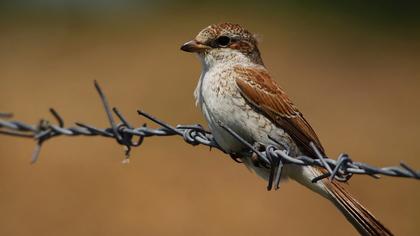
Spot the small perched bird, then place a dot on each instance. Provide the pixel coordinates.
(235, 89)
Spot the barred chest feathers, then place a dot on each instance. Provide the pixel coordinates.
(220, 101)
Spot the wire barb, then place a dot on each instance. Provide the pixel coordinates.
(125, 134)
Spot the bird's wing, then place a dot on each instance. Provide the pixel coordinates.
(263, 93)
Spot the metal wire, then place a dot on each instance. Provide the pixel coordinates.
(340, 169)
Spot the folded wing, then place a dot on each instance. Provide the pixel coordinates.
(263, 93)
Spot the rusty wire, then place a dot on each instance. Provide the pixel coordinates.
(340, 169)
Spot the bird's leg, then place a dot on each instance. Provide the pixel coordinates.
(256, 160)
(236, 157)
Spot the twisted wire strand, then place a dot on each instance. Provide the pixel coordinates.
(340, 169)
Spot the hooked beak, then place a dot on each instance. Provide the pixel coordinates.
(194, 46)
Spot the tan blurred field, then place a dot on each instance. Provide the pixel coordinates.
(358, 88)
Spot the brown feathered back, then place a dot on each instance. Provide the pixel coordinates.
(265, 94)
(262, 92)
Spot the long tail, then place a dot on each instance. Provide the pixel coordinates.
(356, 214)
(364, 222)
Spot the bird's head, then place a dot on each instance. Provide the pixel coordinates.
(224, 42)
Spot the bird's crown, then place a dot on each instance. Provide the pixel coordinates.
(234, 31)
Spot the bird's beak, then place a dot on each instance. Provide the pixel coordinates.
(194, 46)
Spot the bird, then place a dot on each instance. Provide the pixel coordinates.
(236, 90)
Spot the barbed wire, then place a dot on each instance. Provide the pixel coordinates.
(340, 169)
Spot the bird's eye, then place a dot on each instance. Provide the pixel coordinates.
(223, 41)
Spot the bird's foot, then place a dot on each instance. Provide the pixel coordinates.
(236, 157)
(256, 160)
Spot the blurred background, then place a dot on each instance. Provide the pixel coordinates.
(353, 68)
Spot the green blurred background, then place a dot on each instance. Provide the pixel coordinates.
(353, 68)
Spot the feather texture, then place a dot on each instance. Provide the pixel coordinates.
(260, 90)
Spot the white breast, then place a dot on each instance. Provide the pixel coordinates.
(220, 100)
(217, 104)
